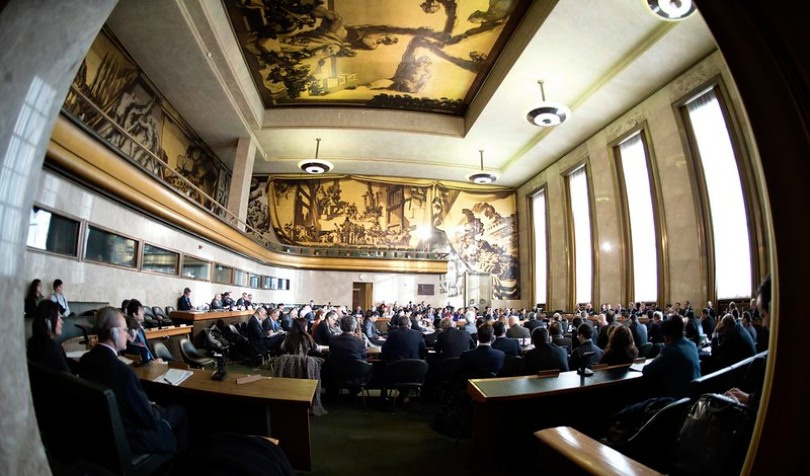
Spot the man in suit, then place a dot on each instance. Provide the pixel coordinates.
(533, 322)
(227, 300)
(545, 355)
(516, 330)
(656, 334)
(483, 359)
(638, 330)
(323, 333)
(677, 365)
(184, 302)
(505, 344)
(731, 342)
(138, 344)
(451, 342)
(150, 428)
(347, 346)
(370, 330)
(558, 339)
(273, 333)
(256, 335)
(587, 353)
(216, 303)
(243, 301)
(403, 342)
(610, 320)
(707, 321)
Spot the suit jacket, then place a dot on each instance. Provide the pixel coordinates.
(322, 334)
(639, 332)
(564, 342)
(452, 343)
(184, 303)
(215, 304)
(675, 367)
(346, 347)
(482, 360)
(139, 346)
(255, 335)
(507, 345)
(147, 430)
(733, 345)
(577, 359)
(533, 324)
(47, 352)
(545, 357)
(708, 325)
(403, 343)
(518, 331)
(656, 334)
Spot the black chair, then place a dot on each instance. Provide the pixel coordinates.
(407, 375)
(352, 375)
(194, 357)
(169, 310)
(163, 352)
(645, 349)
(149, 319)
(161, 316)
(512, 366)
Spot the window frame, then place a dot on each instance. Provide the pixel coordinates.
(138, 244)
(233, 278)
(570, 233)
(178, 267)
(228, 281)
(76, 256)
(183, 264)
(533, 244)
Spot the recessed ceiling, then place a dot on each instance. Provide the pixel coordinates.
(598, 58)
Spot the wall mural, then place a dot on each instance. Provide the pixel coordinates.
(477, 228)
(111, 80)
(431, 55)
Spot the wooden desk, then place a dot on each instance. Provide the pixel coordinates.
(277, 407)
(201, 320)
(513, 408)
(167, 332)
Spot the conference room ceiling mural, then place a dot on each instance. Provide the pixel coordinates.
(477, 228)
(430, 55)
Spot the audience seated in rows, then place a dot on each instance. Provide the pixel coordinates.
(731, 342)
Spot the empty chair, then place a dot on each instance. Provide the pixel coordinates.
(352, 375)
(407, 375)
(169, 310)
(512, 366)
(192, 356)
(149, 319)
(163, 352)
(161, 316)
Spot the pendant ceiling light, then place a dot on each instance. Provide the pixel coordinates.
(672, 9)
(482, 177)
(548, 113)
(316, 165)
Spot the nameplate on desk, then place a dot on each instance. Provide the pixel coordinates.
(248, 379)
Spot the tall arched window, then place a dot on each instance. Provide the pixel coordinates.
(581, 219)
(540, 247)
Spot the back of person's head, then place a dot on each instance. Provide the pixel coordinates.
(299, 325)
(107, 320)
(348, 323)
(485, 333)
(764, 294)
(498, 328)
(620, 338)
(673, 327)
(539, 336)
(555, 328)
(133, 307)
(331, 315)
(690, 314)
(633, 318)
(577, 321)
(658, 315)
(585, 330)
(447, 323)
(124, 305)
(728, 322)
(404, 321)
(650, 313)
(746, 317)
(610, 316)
(513, 320)
(45, 319)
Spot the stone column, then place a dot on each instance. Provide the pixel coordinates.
(240, 181)
(44, 43)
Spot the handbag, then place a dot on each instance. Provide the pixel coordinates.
(714, 437)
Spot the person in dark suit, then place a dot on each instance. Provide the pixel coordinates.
(483, 360)
(451, 341)
(731, 342)
(138, 343)
(656, 334)
(256, 336)
(227, 300)
(505, 344)
(42, 348)
(516, 330)
(545, 355)
(610, 320)
(273, 333)
(323, 333)
(558, 339)
(403, 342)
(184, 301)
(346, 346)
(533, 322)
(693, 329)
(587, 353)
(708, 322)
(677, 365)
(370, 330)
(216, 303)
(638, 330)
(150, 428)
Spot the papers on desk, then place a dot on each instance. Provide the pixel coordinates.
(75, 354)
(638, 367)
(174, 376)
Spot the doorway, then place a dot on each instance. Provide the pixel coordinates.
(361, 295)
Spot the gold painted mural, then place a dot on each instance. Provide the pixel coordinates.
(478, 228)
(429, 55)
(111, 80)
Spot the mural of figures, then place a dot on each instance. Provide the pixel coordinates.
(154, 135)
(477, 229)
(386, 53)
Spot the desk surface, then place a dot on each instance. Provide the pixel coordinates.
(205, 316)
(290, 390)
(156, 333)
(518, 388)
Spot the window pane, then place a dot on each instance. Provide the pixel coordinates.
(54, 233)
(110, 248)
(159, 260)
(196, 269)
(732, 250)
(642, 221)
(222, 274)
(255, 281)
(581, 212)
(240, 278)
(269, 282)
(540, 246)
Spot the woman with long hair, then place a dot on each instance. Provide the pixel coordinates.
(33, 297)
(42, 348)
(298, 341)
(620, 349)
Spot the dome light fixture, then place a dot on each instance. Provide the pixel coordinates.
(672, 10)
(548, 113)
(316, 165)
(482, 178)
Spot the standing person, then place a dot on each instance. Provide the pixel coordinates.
(33, 297)
(678, 363)
(138, 344)
(150, 428)
(42, 348)
(59, 297)
(184, 302)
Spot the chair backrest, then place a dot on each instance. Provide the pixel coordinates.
(158, 312)
(645, 349)
(148, 313)
(169, 310)
(512, 366)
(351, 371)
(406, 372)
(188, 349)
(448, 369)
(163, 352)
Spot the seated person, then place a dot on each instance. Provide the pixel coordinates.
(450, 341)
(483, 360)
(323, 333)
(587, 353)
(227, 300)
(638, 330)
(731, 342)
(505, 344)
(256, 336)
(677, 365)
(216, 303)
(370, 330)
(243, 301)
(184, 301)
(298, 341)
(403, 342)
(545, 355)
(558, 339)
(620, 349)
(274, 334)
(137, 344)
(346, 346)
(47, 325)
(515, 329)
(150, 428)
